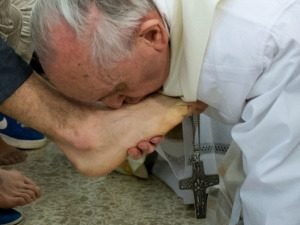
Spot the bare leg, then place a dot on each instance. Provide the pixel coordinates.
(16, 189)
(10, 155)
(124, 128)
(95, 141)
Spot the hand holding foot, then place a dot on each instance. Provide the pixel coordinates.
(149, 146)
(121, 129)
(144, 147)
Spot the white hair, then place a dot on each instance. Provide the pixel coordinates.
(111, 37)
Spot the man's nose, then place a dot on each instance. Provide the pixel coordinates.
(114, 101)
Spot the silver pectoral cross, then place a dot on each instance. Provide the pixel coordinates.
(199, 182)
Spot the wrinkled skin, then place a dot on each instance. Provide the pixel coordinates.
(162, 114)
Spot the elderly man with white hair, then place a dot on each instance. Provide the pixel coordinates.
(242, 58)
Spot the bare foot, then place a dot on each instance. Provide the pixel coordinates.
(16, 189)
(124, 128)
(10, 155)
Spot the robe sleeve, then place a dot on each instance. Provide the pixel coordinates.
(269, 137)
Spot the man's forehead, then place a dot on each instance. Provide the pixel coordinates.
(63, 38)
(67, 52)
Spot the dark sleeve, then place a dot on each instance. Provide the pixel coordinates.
(13, 71)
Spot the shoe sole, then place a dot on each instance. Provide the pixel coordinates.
(23, 144)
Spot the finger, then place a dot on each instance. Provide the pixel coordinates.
(197, 107)
(135, 153)
(156, 140)
(146, 147)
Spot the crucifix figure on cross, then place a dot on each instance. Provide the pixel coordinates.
(199, 182)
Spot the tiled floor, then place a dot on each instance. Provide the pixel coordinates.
(71, 199)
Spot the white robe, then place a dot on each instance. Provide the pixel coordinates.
(251, 79)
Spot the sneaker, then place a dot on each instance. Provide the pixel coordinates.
(16, 134)
(10, 217)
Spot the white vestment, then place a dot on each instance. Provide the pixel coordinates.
(250, 78)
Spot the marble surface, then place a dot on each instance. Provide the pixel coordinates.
(71, 199)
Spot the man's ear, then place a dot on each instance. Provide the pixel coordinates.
(154, 34)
